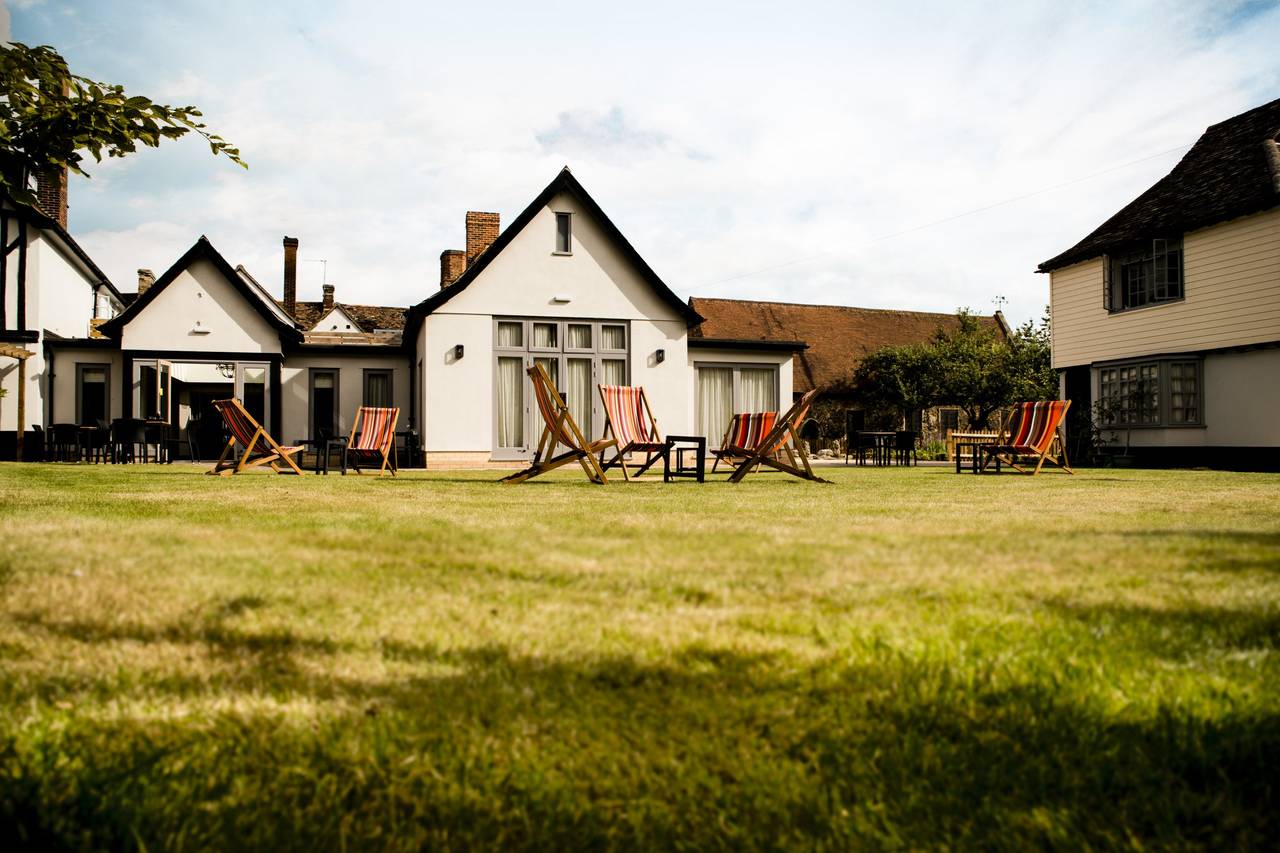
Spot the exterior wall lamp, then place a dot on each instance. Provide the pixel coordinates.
(457, 352)
(660, 356)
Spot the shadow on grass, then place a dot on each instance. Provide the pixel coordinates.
(1221, 550)
(707, 748)
(1179, 633)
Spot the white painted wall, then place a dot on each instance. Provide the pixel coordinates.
(62, 404)
(525, 281)
(295, 379)
(200, 294)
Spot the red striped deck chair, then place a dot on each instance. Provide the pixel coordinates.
(560, 429)
(1034, 428)
(781, 448)
(259, 447)
(373, 437)
(629, 420)
(745, 432)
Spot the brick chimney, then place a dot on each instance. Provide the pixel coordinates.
(482, 230)
(452, 264)
(146, 278)
(290, 275)
(51, 192)
(328, 298)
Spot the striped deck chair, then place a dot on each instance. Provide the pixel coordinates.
(745, 432)
(259, 447)
(559, 428)
(781, 448)
(629, 420)
(1037, 425)
(373, 436)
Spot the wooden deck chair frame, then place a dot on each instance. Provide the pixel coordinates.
(559, 428)
(653, 449)
(386, 448)
(1008, 453)
(728, 451)
(260, 447)
(782, 441)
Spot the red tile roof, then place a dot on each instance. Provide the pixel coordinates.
(838, 337)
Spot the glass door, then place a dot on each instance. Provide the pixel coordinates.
(253, 391)
(164, 387)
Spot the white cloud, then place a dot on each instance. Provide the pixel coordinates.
(750, 150)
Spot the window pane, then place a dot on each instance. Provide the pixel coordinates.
(579, 336)
(578, 393)
(563, 242)
(552, 366)
(715, 401)
(377, 389)
(544, 335)
(323, 380)
(614, 370)
(93, 395)
(613, 337)
(145, 401)
(758, 389)
(510, 402)
(510, 334)
(255, 393)
(323, 403)
(1184, 405)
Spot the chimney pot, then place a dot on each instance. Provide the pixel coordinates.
(482, 230)
(452, 264)
(146, 278)
(290, 275)
(328, 297)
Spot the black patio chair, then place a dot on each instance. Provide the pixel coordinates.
(66, 442)
(904, 446)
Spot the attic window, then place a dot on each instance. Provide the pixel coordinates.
(1149, 274)
(564, 234)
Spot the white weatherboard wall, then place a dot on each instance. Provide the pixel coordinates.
(1232, 284)
(524, 281)
(296, 379)
(200, 294)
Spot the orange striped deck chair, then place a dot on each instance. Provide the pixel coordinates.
(629, 420)
(1029, 431)
(373, 437)
(259, 447)
(781, 447)
(743, 435)
(560, 429)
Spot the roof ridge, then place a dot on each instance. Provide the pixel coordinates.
(827, 305)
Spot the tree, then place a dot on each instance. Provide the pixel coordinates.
(972, 363)
(901, 378)
(50, 117)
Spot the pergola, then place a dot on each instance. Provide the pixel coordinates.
(21, 354)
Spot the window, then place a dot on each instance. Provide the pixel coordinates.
(1147, 275)
(93, 386)
(949, 420)
(576, 354)
(564, 233)
(324, 403)
(1155, 393)
(726, 389)
(377, 388)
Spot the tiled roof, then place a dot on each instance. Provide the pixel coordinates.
(1233, 170)
(369, 317)
(838, 337)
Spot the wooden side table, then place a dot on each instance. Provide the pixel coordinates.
(682, 467)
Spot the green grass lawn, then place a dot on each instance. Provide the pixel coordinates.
(907, 658)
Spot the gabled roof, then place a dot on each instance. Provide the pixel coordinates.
(564, 182)
(241, 281)
(42, 220)
(838, 337)
(369, 317)
(1233, 170)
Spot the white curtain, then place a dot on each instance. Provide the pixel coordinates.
(758, 389)
(579, 336)
(613, 337)
(510, 335)
(552, 366)
(614, 371)
(544, 335)
(715, 401)
(510, 402)
(578, 393)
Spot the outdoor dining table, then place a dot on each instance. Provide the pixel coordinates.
(883, 441)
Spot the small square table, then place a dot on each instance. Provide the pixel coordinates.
(682, 467)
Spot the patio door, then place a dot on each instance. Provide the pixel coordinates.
(254, 391)
(152, 384)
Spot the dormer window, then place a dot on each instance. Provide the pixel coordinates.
(564, 233)
(1144, 275)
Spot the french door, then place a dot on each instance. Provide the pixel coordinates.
(152, 384)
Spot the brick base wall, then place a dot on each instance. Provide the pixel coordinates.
(454, 460)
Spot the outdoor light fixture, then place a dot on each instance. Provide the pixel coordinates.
(227, 370)
(562, 299)
(457, 351)
(660, 356)
(197, 329)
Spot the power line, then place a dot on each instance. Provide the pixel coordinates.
(947, 219)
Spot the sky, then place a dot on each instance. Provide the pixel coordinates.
(915, 156)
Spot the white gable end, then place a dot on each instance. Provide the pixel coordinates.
(528, 278)
(200, 311)
(337, 320)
